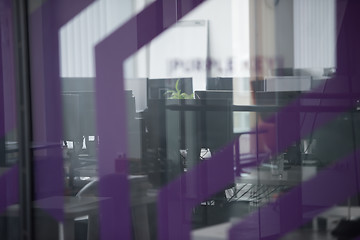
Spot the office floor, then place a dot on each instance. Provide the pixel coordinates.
(219, 232)
(308, 234)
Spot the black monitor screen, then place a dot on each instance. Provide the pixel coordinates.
(157, 87)
(78, 115)
(210, 94)
(219, 83)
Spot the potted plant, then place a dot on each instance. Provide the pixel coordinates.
(177, 94)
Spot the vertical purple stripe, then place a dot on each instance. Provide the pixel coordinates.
(2, 102)
(8, 81)
(45, 23)
(111, 122)
(8, 188)
(46, 106)
(111, 116)
(177, 199)
(8, 180)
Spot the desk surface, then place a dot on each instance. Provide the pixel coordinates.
(266, 176)
(73, 207)
(254, 108)
(216, 232)
(220, 231)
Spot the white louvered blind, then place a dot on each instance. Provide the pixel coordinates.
(79, 36)
(314, 33)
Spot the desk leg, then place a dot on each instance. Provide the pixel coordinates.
(93, 227)
(140, 222)
(68, 229)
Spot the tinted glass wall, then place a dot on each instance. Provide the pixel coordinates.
(9, 173)
(183, 119)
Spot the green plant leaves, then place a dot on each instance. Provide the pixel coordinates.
(177, 85)
(177, 94)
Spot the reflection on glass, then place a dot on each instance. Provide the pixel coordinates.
(9, 152)
(234, 119)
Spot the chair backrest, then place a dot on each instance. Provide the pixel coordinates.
(89, 190)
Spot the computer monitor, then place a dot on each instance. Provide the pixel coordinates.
(216, 118)
(281, 118)
(79, 113)
(219, 83)
(157, 87)
(71, 117)
(78, 108)
(276, 98)
(214, 94)
(257, 85)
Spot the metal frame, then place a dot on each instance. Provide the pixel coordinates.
(24, 123)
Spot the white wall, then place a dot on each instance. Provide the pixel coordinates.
(228, 38)
(181, 52)
(228, 22)
(218, 15)
(240, 38)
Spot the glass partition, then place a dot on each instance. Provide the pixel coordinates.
(9, 169)
(184, 119)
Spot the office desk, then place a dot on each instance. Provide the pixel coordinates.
(73, 207)
(256, 108)
(260, 185)
(87, 171)
(141, 195)
(216, 232)
(78, 207)
(265, 175)
(220, 231)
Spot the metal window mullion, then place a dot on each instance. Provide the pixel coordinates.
(24, 124)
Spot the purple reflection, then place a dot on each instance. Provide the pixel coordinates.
(171, 226)
(336, 183)
(7, 101)
(45, 23)
(177, 199)
(109, 62)
(302, 203)
(110, 104)
(8, 180)
(8, 188)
